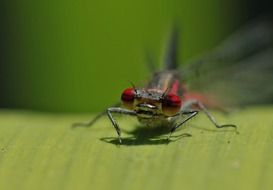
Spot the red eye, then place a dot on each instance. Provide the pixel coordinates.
(127, 97)
(171, 104)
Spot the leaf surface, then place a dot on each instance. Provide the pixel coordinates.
(41, 151)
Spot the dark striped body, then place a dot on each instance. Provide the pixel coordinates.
(166, 81)
(160, 99)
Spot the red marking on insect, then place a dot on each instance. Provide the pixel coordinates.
(175, 87)
(205, 99)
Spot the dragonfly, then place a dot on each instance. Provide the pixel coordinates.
(238, 72)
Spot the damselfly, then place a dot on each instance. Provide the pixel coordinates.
(231, 74)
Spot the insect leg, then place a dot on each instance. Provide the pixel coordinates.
(91, 122)
(190, 114)
(113, 121)
(211, 118)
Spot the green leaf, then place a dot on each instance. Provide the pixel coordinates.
(41, 151)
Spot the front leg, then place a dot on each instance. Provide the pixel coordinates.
(190, 114)
(91, 122)
(113, 121)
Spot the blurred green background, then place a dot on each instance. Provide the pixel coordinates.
(77, 56)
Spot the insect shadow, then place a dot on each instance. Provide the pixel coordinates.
(146, 136)
(154, 136)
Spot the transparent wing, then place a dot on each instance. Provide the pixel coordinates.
(240, 70)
